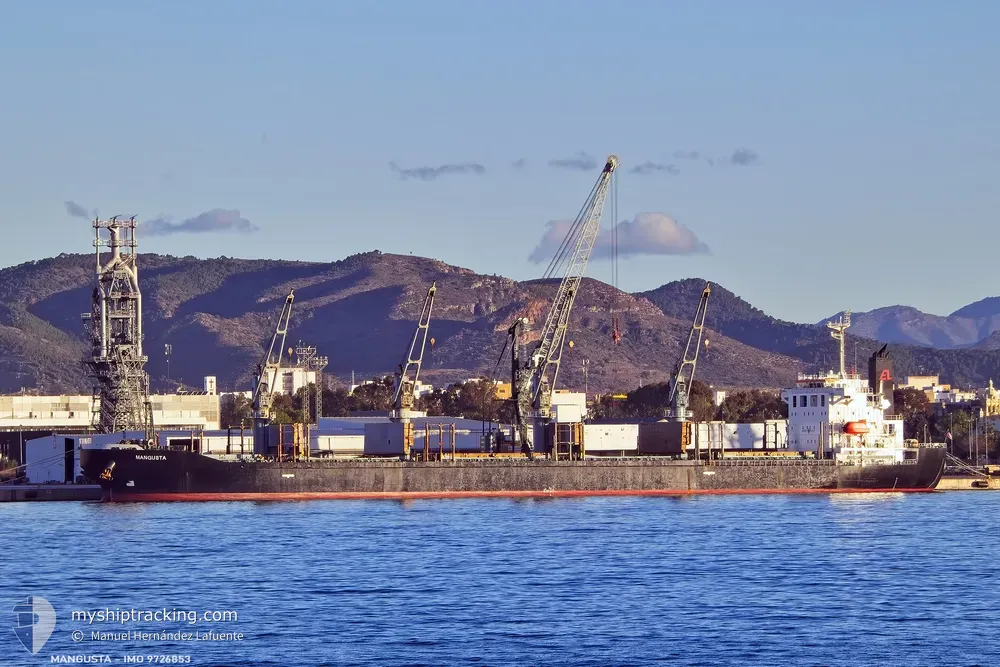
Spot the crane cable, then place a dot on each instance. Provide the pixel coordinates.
(616, 334)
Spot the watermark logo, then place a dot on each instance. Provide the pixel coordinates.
(36, 619)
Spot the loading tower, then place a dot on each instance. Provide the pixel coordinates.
(114, 325)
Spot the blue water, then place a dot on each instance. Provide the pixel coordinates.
(886, 579)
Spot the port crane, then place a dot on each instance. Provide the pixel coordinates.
(683, 375)
(402, 401)
(534, 379)
(268, 369)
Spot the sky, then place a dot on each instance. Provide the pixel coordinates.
(809, 156)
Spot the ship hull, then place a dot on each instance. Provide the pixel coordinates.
(160, 475)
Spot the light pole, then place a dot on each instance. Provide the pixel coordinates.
(586, 365)
(167, 349)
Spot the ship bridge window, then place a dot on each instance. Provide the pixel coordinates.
(814, 400)
(795, 401)
(822, 401)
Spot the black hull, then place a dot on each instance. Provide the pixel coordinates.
(174, 475)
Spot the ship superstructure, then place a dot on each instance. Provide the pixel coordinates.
(845, 416)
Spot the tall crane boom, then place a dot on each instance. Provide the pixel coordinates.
(683, 374)
(269, 366)
(538, 378)
(402, 401)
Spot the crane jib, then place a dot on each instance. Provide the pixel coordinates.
(270, 365)
(575, 253)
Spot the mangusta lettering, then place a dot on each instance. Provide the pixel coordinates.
(150, 457)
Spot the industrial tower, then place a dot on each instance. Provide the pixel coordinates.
(306, 357)
(114, 324)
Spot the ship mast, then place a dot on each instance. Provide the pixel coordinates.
(838, 331)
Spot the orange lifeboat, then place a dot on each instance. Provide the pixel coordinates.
(856, 428)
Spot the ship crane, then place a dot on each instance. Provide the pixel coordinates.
(268, 369)
(683, 374)
(535, 379)
(409, 368)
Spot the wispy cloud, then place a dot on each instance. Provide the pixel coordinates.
(580, 162)
(653, 167)
(646, 234)
(430, 173)
(216, 220)
(76, 210)
(744, 157)
(687, 155)
(518, 163)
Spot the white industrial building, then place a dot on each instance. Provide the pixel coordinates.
(290, 380)
(172, 411)
(569, 407)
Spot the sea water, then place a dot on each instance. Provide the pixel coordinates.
(851, 579)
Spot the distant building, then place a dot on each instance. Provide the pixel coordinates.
(921, 382)
(290, 380)
(991, 401)
(422, 389)
(950, 396)
(718, 396)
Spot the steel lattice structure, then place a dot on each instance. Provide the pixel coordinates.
(534, 382)
(305, 356)
(114, 325)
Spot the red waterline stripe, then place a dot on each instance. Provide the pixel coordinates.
(410, 495)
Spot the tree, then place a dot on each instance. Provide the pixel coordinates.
(752, 407)
(283, 410)
(337, 402)
(438, 402)
(701, 401)
(647, 401)
(476, 400)
(915, 409)
(376, 395)
(234, 410)
(652, 400)
(303, 402)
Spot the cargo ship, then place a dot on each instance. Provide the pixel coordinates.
(131, 473)
(841, 436)
(841, 433)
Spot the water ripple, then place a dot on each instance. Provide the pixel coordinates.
(887, 579)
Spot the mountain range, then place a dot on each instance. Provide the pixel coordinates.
(974, 325)
(217, 314)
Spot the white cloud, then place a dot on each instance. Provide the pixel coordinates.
(646, 234)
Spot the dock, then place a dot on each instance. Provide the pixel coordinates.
(968, 483)
(10, 493)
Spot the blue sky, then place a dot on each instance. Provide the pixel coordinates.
(874, 127)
